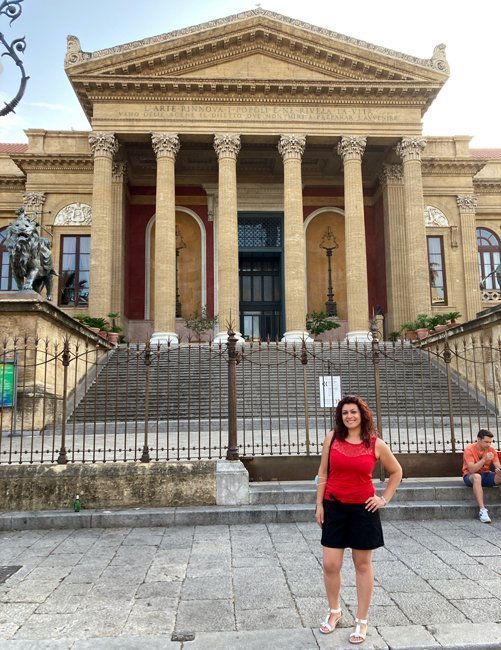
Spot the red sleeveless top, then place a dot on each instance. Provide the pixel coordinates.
(350, 471)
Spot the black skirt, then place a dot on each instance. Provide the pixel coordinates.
(350, 525)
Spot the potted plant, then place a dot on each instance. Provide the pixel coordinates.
(409, 330)
(453, 316)
(423, 325)
(114, 331)
(319, 322)
(439, 322)
(394, 336)
(199, 323)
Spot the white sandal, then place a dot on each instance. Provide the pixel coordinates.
(330, 628)
(357, 632)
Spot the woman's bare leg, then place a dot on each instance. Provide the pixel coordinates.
(365, 582)
(333, 561)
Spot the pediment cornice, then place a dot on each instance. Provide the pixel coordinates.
(54, 163)
(455, 167)
(8, 182)
(295, 35)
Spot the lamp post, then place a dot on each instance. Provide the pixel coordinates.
(329, 244)
(179, 245)
(12, 9)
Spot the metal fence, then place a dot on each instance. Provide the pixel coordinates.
(64, 403)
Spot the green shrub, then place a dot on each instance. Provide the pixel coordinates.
(200, 322)
(319, 321)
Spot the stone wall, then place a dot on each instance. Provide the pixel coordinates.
(54, 487)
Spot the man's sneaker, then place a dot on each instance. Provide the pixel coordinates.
(483, 515)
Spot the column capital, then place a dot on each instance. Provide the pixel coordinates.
(103, 144)
(227, 145)
(291, 146)
(165, 145)
(391, 175)
(352, 147)
(33, 203)
(410, 148)
(119, 172)
(467, 203)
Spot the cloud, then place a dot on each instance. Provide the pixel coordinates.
(52, 107)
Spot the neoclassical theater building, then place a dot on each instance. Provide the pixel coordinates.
(263, 168)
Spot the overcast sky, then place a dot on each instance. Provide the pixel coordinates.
(469, 103)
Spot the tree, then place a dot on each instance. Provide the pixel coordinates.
(200, 322)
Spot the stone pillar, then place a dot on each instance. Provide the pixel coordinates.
(467, 204)
(351, 150)
(166, 147)
(392, 182)
(416, 254)
(119, 179)
(291, 148)
(103, 146)
(227, 147)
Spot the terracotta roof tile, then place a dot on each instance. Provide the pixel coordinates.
(12, 147)
(491, 154)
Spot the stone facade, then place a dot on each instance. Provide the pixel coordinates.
(220, 155)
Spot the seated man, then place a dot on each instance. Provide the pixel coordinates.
(478, 459)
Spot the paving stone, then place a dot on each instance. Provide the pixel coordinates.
(459, 589)
(208, 588)
(407, 637)
(432, 609)
(205, 616)
(269, 618)
(479, 610)
(467, 635)
(282, 639)
(124, 643)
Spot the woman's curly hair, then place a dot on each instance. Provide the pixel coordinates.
(368, 428)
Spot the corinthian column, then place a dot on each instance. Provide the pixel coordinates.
(166, 147)
(227, 147)
(351, 149)
(291, 148)
(392, 183)
(103, 146)
(418, 277)
(119, 178)
(467, 204)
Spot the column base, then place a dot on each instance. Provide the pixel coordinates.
(222, 337)
(232, 483)
(296, 336)
(360, 336)
(164, 338)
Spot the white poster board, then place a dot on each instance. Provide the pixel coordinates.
(330, 391)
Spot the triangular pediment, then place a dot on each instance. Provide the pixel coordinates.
(257, 45)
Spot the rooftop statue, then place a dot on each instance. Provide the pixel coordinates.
(30, 255)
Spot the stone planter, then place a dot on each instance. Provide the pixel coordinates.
(113, 338)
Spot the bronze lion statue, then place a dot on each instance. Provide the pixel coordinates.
(30, 255)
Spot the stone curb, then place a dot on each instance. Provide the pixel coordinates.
(220, 515)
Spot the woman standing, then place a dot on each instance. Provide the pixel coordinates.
(347, 506)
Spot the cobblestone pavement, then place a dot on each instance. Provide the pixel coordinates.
(438, 584)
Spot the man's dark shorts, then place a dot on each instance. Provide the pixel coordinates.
(487, 479)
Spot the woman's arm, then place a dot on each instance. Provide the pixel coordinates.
(322, 479)
(393, 469)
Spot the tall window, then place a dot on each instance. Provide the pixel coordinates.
(436, 265)
(74, 280)
(7, 282)
(489, 257)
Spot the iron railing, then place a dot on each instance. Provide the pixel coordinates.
(62, 402)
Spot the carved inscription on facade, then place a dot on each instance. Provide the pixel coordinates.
(255, 113)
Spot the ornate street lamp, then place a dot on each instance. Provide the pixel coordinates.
(12, 9)
(329, 244)
(179, 245)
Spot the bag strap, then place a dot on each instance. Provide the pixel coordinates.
(329, 456)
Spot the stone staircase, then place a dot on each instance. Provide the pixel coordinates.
(415, 500)
(190, 382)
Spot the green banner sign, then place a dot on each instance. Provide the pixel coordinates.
(7, 384)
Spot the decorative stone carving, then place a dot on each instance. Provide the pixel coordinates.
(391, 174)
(227, 145)
(103, 144)
(410, 148)
(74, 52)
(33, 203)
(165, 144)
(119, 172)
(74, 214)
(433, 217)
(291, 146)
(351, 147)
(438, 60)
(467, 203)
